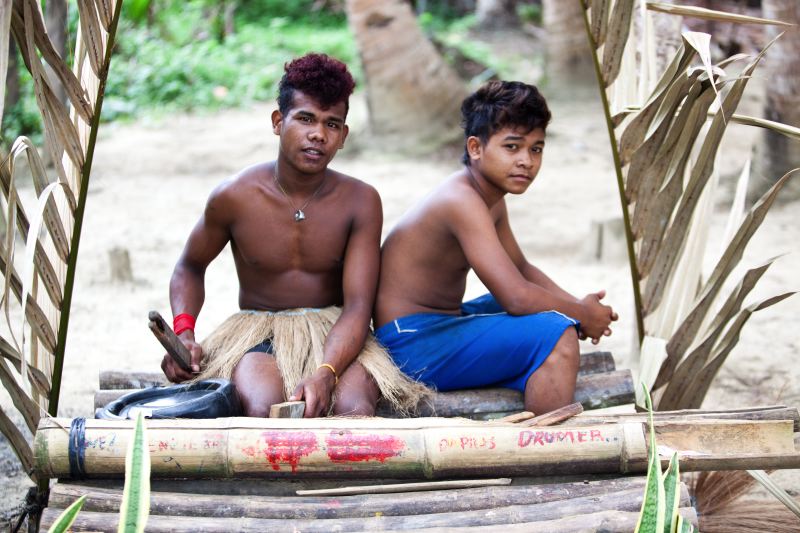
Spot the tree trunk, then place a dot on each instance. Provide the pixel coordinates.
(569, 58)
(496, 14)
(11, 96)
(777, 154)
(55, 16)
(413, 96)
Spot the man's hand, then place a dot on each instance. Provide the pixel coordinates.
(316, 390)
(597, 317)
(174, 372)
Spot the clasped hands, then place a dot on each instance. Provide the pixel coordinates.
(596, 322)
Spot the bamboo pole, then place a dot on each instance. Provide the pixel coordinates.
(593, 391)
(421, 448)
(399, 504)
(627, 500)
(774, 412)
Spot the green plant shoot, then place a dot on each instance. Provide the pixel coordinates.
(65, 519)
(135, 506)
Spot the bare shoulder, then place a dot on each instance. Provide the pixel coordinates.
(361, 196)
(230, 193)
(455, 199)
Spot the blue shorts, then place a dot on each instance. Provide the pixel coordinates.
(484, 346)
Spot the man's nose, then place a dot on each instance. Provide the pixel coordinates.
(525, 160)
(318, 133)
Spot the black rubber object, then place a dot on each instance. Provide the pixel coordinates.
(210, 398)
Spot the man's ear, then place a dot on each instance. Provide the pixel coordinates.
(277, 120)
(345, 131)
(474, 148)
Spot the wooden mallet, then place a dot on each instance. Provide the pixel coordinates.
(175, 348)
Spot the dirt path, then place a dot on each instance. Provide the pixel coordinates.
(151, 179)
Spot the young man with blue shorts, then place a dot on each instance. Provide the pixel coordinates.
(524, 334)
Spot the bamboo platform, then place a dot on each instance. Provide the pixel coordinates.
(585, 473)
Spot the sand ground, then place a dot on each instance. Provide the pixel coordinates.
(151, 179)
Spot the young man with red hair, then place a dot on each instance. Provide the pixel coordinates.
(305, 241)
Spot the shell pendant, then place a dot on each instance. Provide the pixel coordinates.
(299, 216)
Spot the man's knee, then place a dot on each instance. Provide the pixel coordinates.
(566, 352)
(258, 384)
(354, 403)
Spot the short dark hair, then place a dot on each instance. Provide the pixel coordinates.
(319, 76)
(500, 104)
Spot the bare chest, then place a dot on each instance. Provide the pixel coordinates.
(271, 240)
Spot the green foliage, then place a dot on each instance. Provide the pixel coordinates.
(135, 507)
(190, 70)
(651, 518)
(530, 13)
(65, 519)
(661, 501)
(306, 12)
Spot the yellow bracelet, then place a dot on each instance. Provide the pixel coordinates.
(330, 367)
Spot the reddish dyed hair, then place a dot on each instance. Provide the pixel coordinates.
(319, 76)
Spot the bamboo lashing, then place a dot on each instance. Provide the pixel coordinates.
(420, 448)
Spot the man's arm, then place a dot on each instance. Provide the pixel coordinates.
(534, 274)
(359, 283)
(187, 285)
(528, 271)
(473, 226)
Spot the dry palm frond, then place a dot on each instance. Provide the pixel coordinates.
(750, 517)
(5, 23)
(664, 149)
(38, 279)
(710, 14)
(715, 491)
(717, 497)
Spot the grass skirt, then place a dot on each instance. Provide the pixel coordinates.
(298, 337)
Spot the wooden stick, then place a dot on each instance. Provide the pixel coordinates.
(170, 341)
(406, 487)
(517, 417)
(554, 417)
(291, 506)
(287, 410)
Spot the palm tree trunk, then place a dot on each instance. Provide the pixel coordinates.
(776, 154)
(569, 58)
(413, 96)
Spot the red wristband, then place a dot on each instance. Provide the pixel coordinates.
(182, 322)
